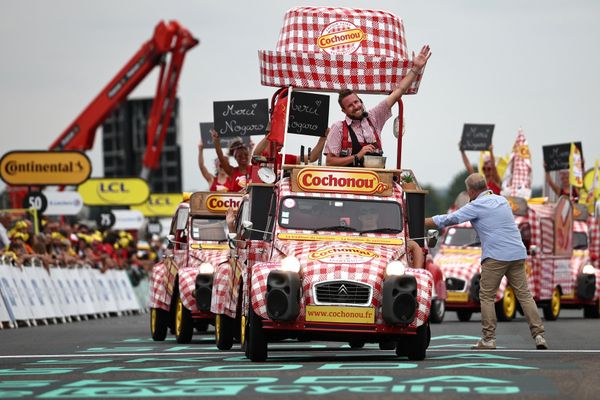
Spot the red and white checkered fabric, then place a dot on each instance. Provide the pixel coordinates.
(158, 292)
(315, 272)
(187, 284)
(221, 292)
(376, 64)
(518, 174)
(464, 264)
(594, 240)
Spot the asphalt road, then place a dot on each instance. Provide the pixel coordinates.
(116, 358)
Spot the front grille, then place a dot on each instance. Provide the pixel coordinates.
(343, 292)
(455, 284)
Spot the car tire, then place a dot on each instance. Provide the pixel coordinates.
(159, 324)
(415, 346)
(464, 315)
(256, 341)
(184, 324)
(438, 310)
(356, 344)
(223, 331)
(506, 308)
(551, 309)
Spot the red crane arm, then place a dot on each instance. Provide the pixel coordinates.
(168, 38)
(164, 100)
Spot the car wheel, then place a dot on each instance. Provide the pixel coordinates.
(552, 309)
(159, 324)
(506, 308)
(256, 341)
(223, 332)
(184, 325)
(592, 311)
(438, 310)
(356, 344)
(464, 315)
(415, 346)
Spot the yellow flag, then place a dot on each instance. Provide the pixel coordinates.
(575, 167)
(502, 165)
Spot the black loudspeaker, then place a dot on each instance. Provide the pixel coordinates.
(586, 286)
(474, 289)
(283, 295)
(203, 291)
(415, 203)
(399, 304)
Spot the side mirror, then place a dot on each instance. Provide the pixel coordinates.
(432, 237)
(231, 240)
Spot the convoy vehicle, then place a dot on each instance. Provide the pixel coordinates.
(561, 241)
(459, 258)
(182, 283)
(321, 255)
(583, 292)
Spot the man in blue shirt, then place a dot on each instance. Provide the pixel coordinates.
(503, 253)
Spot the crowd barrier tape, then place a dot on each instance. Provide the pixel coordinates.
(33, 294)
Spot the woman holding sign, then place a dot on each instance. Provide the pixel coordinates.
(219, 182)
(238, 175)
(489, 170)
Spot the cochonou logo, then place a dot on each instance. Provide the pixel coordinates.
(341, 37)
(343, 254)
(222, 203)
(360, 182)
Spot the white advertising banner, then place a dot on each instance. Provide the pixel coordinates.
(127, 220)
(62, 203)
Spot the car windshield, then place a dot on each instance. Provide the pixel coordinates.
(580, 241)
(466, 237)
(209, 229)
(340, 215)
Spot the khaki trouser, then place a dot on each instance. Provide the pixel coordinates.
(492, 272)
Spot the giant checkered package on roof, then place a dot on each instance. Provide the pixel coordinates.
(326, 48)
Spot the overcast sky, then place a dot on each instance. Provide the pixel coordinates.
(529, 64)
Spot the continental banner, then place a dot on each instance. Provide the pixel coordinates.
(28, 168)
(160, 205)
(358, 181)
(114, 191)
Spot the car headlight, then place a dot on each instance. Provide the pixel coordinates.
(395, 268)
(291, 264)
(206, 268)
(588, 269)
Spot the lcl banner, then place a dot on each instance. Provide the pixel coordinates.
(62, 203)
(160, 205)
(28, 168)
(114, 191)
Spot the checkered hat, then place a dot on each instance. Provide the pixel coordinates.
(325, 48)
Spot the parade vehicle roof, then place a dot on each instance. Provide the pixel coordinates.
(210, 204)
(328, 48)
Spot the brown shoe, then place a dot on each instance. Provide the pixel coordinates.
(483, 344)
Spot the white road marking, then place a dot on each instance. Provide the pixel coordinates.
(275, 355)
